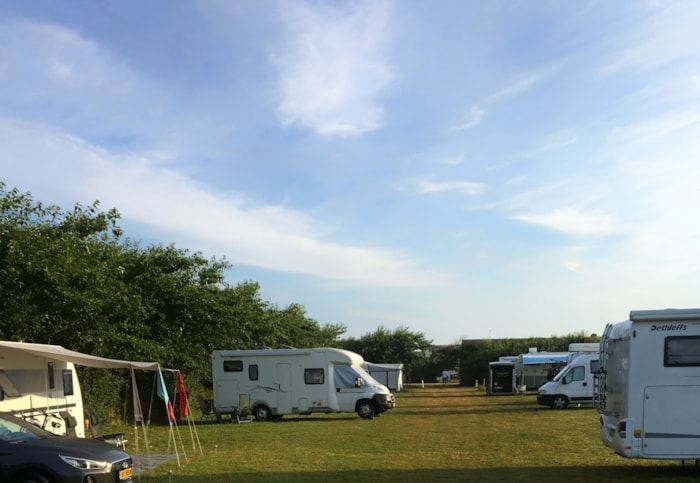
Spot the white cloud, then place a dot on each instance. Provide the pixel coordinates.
(667, 34)
(427, 186)
(523, 83)
(572, 221)
(333, 68)
(245, 231)
(473, 119)
(454, 160)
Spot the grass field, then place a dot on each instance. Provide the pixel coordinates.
(436, 434)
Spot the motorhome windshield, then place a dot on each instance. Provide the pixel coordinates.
(346, 377)
(561, 374)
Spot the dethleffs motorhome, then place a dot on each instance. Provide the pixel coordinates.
(572, 385)
(648, 387)
(277, 382)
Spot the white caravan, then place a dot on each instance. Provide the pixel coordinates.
(42, 390)
(649, 385)
(572, 385)
(39, 383)
(277, 382)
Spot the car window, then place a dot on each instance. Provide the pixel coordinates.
(17, 429)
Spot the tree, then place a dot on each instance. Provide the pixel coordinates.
(70, 278)
(385, 346)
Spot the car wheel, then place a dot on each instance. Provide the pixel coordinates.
(262, 413)
(32, 477)
(560, 402)
(365, 409)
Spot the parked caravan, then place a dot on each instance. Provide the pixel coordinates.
(42, 390)
(390, 375)
(278, 382)
(501, 378)
(39, 383)
(578, 348)
(535, 368)
(572, 385)
(649, 385)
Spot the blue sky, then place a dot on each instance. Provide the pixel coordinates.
(463, 169)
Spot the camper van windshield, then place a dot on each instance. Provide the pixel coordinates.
(346, 377)
(561, 373)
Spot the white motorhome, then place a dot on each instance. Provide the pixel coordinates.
(572, 385)
(649, 385)
(42, 390)
(277, 382)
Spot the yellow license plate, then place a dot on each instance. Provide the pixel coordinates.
(125, 474)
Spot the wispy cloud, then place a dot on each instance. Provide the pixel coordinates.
(334, 67)
(246, 231)
(473, 119)
(454, 160)
(572, 221)
(667, 33)
(522, 84)
(428, 186)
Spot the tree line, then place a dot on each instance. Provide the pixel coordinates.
(72, 278)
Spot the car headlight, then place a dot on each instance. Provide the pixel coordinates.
(542, 393)
(83, 463)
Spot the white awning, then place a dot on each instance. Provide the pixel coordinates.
(62, 354)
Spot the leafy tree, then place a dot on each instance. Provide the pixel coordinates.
(385, 346)
(70, 278)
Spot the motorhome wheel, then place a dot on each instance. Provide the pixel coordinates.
(560, 402)
(365, 409)
(262, 413)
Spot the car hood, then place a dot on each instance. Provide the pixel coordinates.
(78, 447)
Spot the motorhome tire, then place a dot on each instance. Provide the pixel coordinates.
(32, 477)
(560, 402)
(365, 409)
(262, 413)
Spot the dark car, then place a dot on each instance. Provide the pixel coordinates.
(29, 454)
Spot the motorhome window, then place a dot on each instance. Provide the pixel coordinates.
(67, 382)
(52, 376)
(253, 372)
(233, 366)
(682, 351)
(577, 373)
(313, 376)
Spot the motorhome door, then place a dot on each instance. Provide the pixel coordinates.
(284, 385)
(669, 426)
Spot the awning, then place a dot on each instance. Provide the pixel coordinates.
(62, 354)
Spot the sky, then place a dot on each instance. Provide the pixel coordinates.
(464, 169)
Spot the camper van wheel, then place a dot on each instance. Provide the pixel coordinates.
(365, 409)
(560, 402)
(32, 477)
(262, 413)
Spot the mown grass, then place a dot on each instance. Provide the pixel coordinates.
(436, 434)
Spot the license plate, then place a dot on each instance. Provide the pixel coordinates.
(125, 474)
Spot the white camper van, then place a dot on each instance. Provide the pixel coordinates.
(277, 382)
(572, 385)
(42, 390)
(649, 385)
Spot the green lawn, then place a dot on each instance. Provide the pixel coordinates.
(440, 433)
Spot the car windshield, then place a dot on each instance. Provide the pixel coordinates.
(16, 429)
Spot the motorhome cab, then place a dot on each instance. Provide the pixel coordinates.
(572, 385)
(648, 388)
(277, 382)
